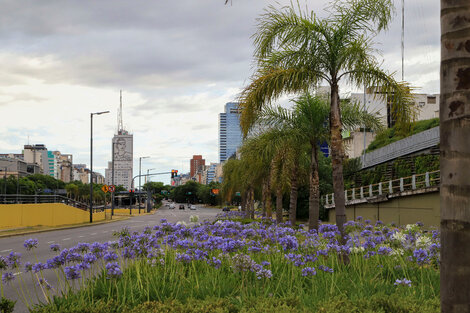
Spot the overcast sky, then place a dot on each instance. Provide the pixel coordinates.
(177, 62)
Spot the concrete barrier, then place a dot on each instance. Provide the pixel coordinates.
(44, 214)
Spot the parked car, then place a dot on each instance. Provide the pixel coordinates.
(172, 205)
(181, 206)
(192, 207)
(226, 209)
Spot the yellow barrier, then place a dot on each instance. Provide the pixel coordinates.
(126, 211)
(45, 214)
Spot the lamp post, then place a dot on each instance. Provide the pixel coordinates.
(140, 166)
(146, 177)
(91, 162)
(112, 181)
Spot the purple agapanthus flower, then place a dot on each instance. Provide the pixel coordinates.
(403, 282)
(30, 243)
(113, 270)
(309, 271)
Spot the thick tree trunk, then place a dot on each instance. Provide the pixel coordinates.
(293, 197)
(279, 205)
(337, 155)
(314, 197)
(263, 197)
(269, 205)
(455, 156)
(252, 202)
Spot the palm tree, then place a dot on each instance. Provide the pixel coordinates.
(296, 51)
(308, 121)
(455, 156)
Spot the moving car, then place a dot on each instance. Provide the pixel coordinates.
(172, 205)
(192, 207)
(181, 206)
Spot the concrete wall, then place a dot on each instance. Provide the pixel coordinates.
(45, 214)
(423, 208)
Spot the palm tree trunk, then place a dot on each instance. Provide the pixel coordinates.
(252, 203)
(337, 154)
(314, 197)
(293, 197)
(455, 152)
(263, 196)
(269, 207)
(279, 205)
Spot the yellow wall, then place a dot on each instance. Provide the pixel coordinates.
(423, 208)
(45, 214)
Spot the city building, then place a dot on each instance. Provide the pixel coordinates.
(197, 163)
(122, 146)
(13, 166)
(53, 164)
(211, 173)
(230, 134)
(98, 178)
(80, 173)
(37, 154)
(65, 167)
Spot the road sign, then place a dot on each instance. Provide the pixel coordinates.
(238, 193)
(111, 188)
(105, 188)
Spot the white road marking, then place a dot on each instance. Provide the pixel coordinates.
(105, 231)
(52, 241)
(17, 273)
(66, 239)
(7, 250)
(80, 236)
(93, 234)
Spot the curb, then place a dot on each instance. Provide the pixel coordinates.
(62, 228)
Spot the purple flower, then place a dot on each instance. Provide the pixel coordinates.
(44, 283)
(325, 269)
(113, 270)
(30, 244)
(110, 256)
(7, 277)
(421, 256)
(28, 267)
(263, 273)
(55, 247)
(216, 263)
(403, 282)
(384, 250)
(265, 263)
(37, 267)
(309, 271)
(13, 259)
(72, 272)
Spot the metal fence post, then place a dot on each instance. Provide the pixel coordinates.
(346, 195)
(401, 185)
(362, 192)
(413, 182)
(390, 187)
(354, 194)
(370, 190)
(427, 179)
(380, 188)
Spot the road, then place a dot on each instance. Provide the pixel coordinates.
(67, 238)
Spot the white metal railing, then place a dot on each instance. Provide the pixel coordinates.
(418, 181)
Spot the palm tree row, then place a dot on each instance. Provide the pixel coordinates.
(285, 154)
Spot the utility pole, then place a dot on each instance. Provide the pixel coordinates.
(112, 181)
(140, 167)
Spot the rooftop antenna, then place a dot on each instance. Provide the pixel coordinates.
(403, 40)
(120, 126)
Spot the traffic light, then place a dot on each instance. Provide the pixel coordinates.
(174, 173)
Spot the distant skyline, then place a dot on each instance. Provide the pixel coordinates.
(177, 63)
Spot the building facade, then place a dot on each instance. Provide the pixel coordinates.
(37, 154)
(197, 164)
(230, 134)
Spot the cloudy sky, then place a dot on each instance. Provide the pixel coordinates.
(177, 62)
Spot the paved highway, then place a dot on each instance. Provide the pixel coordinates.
(67, 238)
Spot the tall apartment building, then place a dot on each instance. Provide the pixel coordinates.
(123, 147)
(230, 134)
(196, 164)
(211, 173)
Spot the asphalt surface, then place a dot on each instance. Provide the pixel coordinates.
(67, 238)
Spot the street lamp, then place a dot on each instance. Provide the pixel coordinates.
(140, 166)
(147, 177)
(91, 162)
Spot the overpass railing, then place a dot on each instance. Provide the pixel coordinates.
(403, 184)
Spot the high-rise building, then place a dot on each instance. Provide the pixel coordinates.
(230, 134)
(37, 154)
(122, 145)
(197, 164)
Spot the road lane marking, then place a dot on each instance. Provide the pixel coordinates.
(93, 234)
(105, 231)
(17, 273)
(66, 239)
(80, 236)
(52, 241)
(7, 250)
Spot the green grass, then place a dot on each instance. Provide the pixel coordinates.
(389, 135)
(151, 288)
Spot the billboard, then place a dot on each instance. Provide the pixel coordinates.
(123, 148)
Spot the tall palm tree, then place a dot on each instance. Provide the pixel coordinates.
(308, 121)
(455, 156)
(295, 51)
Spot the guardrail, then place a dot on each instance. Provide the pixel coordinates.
(410, 183)
(27, 199)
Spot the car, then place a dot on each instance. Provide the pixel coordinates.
(192, 207)
(181, 206)
(226, 209)
(172, 205)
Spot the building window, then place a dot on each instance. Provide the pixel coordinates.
(421, 104)
(431, 99)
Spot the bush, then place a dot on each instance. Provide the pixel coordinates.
(6, 305)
